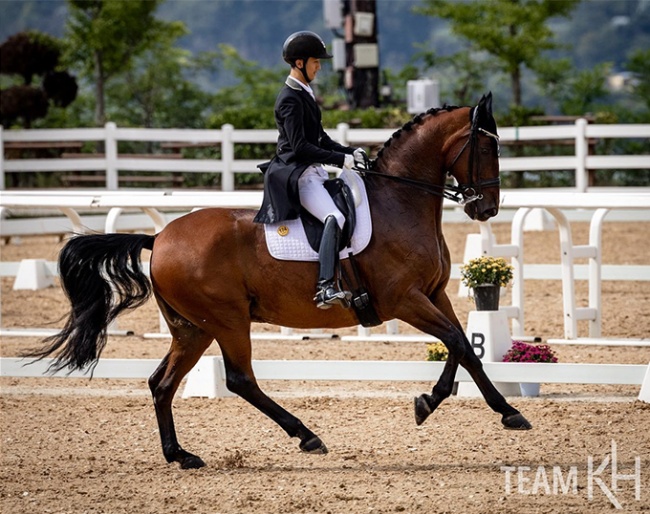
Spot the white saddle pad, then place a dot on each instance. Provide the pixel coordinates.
(287, 241)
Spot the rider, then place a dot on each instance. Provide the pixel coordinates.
(293, 179)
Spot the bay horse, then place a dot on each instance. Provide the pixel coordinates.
(211, 275)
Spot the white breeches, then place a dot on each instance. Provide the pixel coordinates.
(315, 198)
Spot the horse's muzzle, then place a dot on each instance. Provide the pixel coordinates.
(478, 212)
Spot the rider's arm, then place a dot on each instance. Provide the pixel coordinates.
(291, 114)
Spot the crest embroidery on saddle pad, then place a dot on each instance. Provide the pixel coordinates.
(287, 241)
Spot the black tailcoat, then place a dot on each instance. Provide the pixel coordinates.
(301, 143)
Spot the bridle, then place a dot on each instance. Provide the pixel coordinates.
(462, 194)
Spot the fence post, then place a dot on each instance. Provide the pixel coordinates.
(2, 161)
(110, 150)
(227, 157)
(342, 133)
(582, 145)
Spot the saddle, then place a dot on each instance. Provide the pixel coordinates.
(344, 201)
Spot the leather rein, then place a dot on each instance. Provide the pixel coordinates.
(462, 194)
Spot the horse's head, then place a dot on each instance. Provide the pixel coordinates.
(475, 162)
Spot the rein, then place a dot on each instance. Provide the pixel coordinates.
(461, 194)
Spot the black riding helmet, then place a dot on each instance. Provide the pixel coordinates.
(303, 45)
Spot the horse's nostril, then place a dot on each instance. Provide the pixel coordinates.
(487, 214)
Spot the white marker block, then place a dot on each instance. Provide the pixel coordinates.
(489, 336)
(33, 274)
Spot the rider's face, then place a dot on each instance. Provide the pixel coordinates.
(312, 66)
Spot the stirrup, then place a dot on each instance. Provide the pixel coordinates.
(328, 296)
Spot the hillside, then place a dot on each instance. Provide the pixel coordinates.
(603, 30)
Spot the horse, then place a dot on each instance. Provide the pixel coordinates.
(212, 276)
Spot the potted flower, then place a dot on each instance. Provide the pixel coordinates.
(485, 276)
(524, 352)
(439, 352)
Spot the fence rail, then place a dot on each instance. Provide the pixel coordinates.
(111, 163)
(524, 202)
(411, 371)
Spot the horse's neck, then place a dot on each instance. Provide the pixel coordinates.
(418, 154)
(401, 205)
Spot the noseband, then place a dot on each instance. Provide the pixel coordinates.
(462, 194)
(472, 191)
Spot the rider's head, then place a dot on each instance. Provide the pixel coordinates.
(299, 47)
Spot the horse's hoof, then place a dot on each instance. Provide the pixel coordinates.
(190, 461)
(422, 409)
(516, 422)
(314, 446)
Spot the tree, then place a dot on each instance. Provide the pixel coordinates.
(639, 66)
(157, 91)
(105, 36)
(26, 55)
(514, 32)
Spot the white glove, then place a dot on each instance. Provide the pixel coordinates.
(360, 157)
(349, 162)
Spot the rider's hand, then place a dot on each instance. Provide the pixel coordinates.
(360, 158)
(348, 164)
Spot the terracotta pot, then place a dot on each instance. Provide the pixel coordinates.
(486, 297)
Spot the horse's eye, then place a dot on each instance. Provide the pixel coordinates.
(485, 150)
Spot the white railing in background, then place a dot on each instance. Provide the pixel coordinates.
(226, 138)
(600, 204)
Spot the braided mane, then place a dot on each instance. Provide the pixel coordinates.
(417, 120)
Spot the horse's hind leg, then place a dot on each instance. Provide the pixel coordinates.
(236, 350)
(188, 344)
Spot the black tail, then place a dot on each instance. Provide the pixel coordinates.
(101, 276)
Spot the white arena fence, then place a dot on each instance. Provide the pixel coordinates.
(598, 205)
(111, 162)
(407, 371)
(524, 203)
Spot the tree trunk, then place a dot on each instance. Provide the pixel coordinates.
(515, 78)
(100, 113)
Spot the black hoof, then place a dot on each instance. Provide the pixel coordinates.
(422, 409)
(314, 446)
(516, 422)
(189, 461)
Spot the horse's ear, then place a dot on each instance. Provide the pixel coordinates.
(485, 103)
(488, 102)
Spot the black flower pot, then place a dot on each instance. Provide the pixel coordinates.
(486, 297)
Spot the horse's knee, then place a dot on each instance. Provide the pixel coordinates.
(240, 383)
(456, 344)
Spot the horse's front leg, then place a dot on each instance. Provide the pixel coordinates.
(425, 404)
(435, 316)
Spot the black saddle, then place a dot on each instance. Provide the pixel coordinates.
(344, 201)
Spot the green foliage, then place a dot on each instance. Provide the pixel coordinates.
(639, 66)
(514, 33)
(29, 53)
(585, 89)
(104, 37)
(256, 86)
(156, 92)
(25, 55)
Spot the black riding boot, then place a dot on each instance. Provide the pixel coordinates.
(329, 292)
